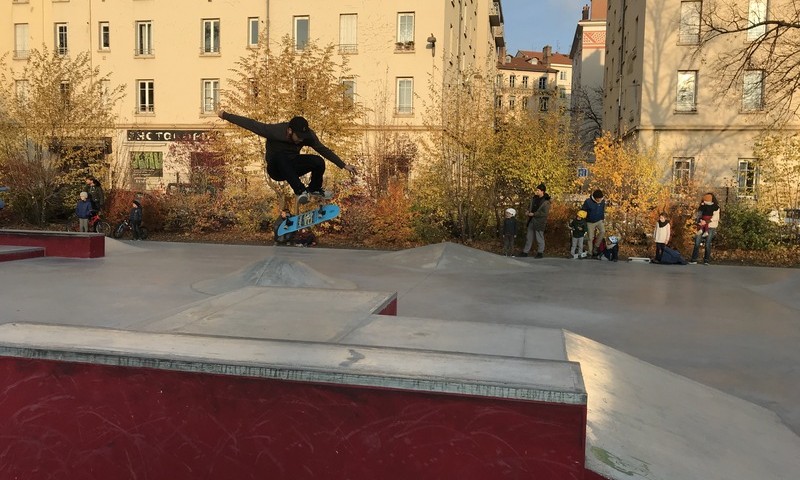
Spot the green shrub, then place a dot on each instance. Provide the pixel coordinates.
(747, 228)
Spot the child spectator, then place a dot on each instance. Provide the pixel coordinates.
(578, 228)
(84, 212)
(305, 238)
(705, 213)
(135, 218)
(509, 231)
(609, 249)
(284, 239)
(661, 235)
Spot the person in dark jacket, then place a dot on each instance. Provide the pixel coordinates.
(135, 218)
(595, 207)
(283, 159)
(286, 238)
(509, 232)
(96, 195)
(537, 220)
(84, 212)
(578, 228)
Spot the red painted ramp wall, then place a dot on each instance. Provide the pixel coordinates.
(79, 421)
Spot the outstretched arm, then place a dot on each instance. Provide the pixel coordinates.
(260, 129)
(330, 155)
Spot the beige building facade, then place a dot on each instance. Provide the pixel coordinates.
(588, 70)
(174, 58)
(659, 93)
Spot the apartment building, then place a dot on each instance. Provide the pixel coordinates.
(175, 58)
(588, 68)
(522, 86)
(557, 61)
(660, 94)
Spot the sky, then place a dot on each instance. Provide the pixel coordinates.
(532, 24)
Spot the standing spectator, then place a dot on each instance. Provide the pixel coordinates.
(537, 220)
(84, 212)
(578, 228)
(661, 235)
(709, 204)
(509, 232)
(595, 207)
(95, 191)
(705, 213)
(136, 219)
(305, 238)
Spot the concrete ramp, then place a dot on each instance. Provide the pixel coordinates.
(644, 422)
(448, 256)
(273, 272)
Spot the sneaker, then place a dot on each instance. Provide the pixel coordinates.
(692, 262)
(322, 193)
(302, 199)
(574, 256)
(523, 254)
(705, 234)
(539, 255)
(705, 262)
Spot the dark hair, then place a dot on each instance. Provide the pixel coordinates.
(663, 214)
(597, 194)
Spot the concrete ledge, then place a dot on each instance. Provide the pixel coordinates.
(57, 244)
(8, 253)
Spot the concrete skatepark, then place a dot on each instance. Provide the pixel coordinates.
(690, 371)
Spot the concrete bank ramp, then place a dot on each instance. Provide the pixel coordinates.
(448, 256)
(273, 272)
(644, 422)
(117, 247)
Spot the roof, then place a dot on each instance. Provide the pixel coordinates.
(555, 58)
(517, 63)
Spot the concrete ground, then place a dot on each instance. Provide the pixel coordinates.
(736, 329)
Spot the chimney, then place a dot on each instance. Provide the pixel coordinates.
(585, 13)
(546, 51)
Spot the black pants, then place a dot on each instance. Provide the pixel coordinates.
(291, 169)
(659, 250)
(137, 230)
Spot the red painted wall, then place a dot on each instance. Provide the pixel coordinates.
(57, 244)
(79, 421)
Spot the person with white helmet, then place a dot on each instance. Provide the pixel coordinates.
(578, 228)
(509, 232)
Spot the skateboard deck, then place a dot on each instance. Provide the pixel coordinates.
(302, 220)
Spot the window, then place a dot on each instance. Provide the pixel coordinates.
(21, 36)
(144, 38)
(525, 81)
(405, 28)
(689, 30)
(211, 36)
(349, 93)
(498, 102)
(61, 39)
(687, 91)
(104, 36)
(562, 75)
(300, 32)
(512, 81)
(66, 92)
(544, 103)
(210, 95)
(512, 102)
(252, 31)
(144, 90)
(747, 177)
(542, 83)
(756, 14)
(348, 33)
(681, 173)
(498, 80)
(562, 92)
(21, 88)
(405, 96)
(253, 84)
(146, 164)
(753, 90)
(525, 103)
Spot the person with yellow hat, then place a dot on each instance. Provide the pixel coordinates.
(578, 228)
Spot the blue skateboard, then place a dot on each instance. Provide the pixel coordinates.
(302, 220)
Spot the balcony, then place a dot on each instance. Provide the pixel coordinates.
(499, 36)
(495, 15)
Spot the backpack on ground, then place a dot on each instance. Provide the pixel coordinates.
(670, 256)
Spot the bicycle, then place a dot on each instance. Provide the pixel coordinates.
(125, 226)
(96, 224)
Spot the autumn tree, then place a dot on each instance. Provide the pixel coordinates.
(778, 170)
(631, 182)
(56, 120)
(272, 85)
(453, 186)
(753, 38)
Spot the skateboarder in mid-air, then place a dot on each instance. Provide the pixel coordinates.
(283, 157)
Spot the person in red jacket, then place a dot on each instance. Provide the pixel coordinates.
(283, 158)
